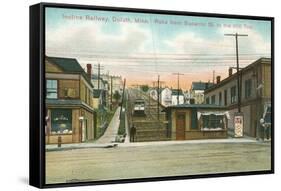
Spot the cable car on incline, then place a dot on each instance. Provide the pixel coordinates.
(139, 107)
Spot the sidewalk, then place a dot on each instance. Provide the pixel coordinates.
(154, 143)
(112, 130)
(201, 141)
(108, 139)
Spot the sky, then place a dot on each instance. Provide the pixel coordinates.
(141, 46)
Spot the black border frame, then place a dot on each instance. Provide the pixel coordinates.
(37, 92)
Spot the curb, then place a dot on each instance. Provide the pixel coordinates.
(165, 143)
(81, 147)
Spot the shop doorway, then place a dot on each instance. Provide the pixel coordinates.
(83, 131)
(180, 126)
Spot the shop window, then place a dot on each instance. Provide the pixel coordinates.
(213, 121)
(61, 121)
(52, 89)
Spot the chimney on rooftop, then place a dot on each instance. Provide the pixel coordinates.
(89, 70)
(229, 71)
(218, 79)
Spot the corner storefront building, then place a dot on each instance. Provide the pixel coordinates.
(70, 117)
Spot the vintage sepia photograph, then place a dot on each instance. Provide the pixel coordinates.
(133, 95)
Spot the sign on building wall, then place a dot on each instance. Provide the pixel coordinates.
(238, 124)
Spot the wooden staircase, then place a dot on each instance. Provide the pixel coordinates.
(150, 131)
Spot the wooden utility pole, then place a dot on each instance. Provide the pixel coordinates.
(236, 35)
(213, 76)
(159, 84)
(98, 76)
(178, 74)
(149, 104)
(111, 91)
(122, 98)
(158, 97)
(99, 68)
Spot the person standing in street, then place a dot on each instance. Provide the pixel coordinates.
(132, 133)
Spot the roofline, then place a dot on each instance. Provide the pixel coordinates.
(48, 57)
(261, 60)
(86, 79)
(82, 73)
(56, 57)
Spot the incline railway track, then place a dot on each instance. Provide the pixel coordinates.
(148, 127)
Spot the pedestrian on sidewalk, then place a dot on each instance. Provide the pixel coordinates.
(262, 129)
(133, 131)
